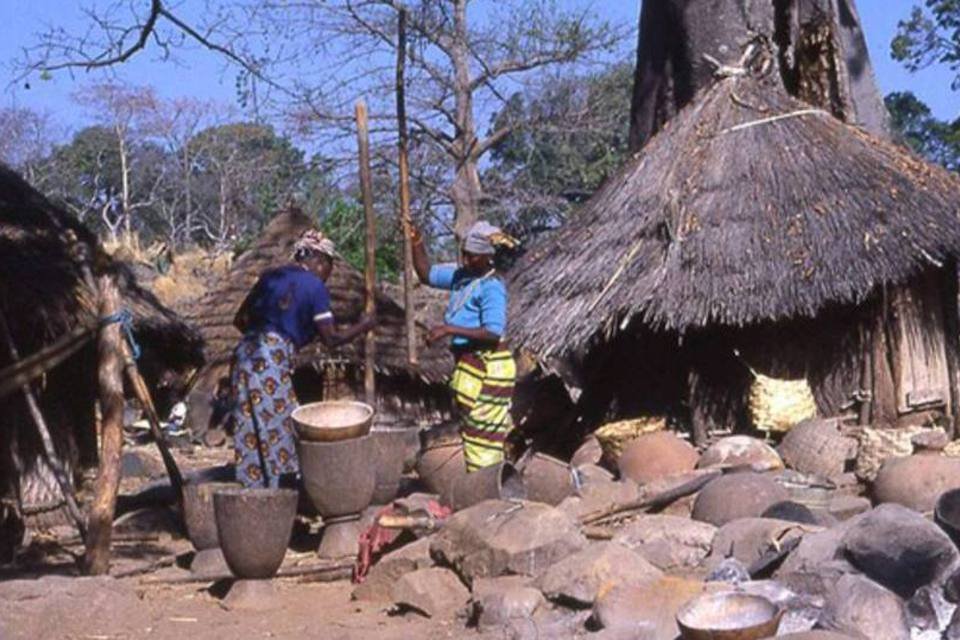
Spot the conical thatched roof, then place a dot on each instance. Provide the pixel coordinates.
(213, 312)
(749, 206)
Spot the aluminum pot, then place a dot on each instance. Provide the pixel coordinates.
(338, 476)
(254, 527)
(728, 616)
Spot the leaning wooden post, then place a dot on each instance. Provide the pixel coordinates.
(370, 271)
(110, 378)
(405, 191)
(50, 452)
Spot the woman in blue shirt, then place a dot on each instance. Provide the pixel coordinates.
(475, 322)
(287, 308)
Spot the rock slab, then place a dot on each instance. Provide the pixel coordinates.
(434, 592)
(496, 538)
(668, 542)
(378, 584)
(580, 578)
(861, 607)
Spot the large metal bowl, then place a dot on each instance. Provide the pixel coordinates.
(333, 420)
(728, 616)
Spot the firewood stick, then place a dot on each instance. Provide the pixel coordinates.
(661, 499)
(50, 453)
(370, 266)
(405, 221)
(338, 570)
(408, 522)
(110, 376)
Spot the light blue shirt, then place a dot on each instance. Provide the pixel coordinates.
(474, 302)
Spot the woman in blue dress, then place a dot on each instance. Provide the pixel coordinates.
(287, 308)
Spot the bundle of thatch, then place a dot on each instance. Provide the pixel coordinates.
(749, 206)
(47, 258)
(213, 314)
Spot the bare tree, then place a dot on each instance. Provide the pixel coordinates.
(462, 54)
(26, 138)
(125, 110)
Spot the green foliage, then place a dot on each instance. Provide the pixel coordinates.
(936, 140)
(343, 221)
(930, 35)
(567, 138)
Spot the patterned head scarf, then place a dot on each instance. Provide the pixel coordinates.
(313, 241)
(483, 239)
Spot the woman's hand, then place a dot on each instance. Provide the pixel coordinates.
(438, 333)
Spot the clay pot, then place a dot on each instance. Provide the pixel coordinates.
(440, 466)
(739, 495)
(390, 445)
(338, 476)
(547, 479)
(254, 528)
(332, 420)
(916, 481)
(501, 481)
(736, 451)
(728, 616)
(655, 455)
(201, 524)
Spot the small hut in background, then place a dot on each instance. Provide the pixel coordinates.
(752, 224)
(47, 263)
(403, 392)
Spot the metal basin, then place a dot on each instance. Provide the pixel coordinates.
(390, 446)
(254, 527)
(338, 476)
(333, 420)
(728, 616)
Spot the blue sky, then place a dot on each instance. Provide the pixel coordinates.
(203, 74)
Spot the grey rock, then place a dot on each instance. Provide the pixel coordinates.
(434, 592)
(377, 586)
(861, 607)
(730, 570)
(749, 539)
(482, 587)
(578, 579)
(844, 507)
(649, 607)
(496, 538)
(668, 542)
(598, 495)
(899, 548)
(498, 608)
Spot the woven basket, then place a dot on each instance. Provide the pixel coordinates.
(614, 436)
(876, 445)
(776, 405)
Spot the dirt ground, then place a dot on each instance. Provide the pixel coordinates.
(43, 597)
(111, 609)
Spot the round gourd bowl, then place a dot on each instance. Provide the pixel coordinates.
(728, 616)
(333, 420)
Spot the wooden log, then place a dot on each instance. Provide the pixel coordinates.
(370, 267)
(687, 484)
(142, 393)
(110, 379)
(405, 222)
(50, 453)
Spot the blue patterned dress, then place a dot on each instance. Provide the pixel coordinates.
(281, 315)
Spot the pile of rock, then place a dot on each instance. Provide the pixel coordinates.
(601, 564)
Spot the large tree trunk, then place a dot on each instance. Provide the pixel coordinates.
(820, 48)
(466, 191)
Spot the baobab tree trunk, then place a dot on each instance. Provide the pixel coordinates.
(466, 190)
(819, 46)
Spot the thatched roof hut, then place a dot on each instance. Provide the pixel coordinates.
(752, 217)
(47, 259)
(212, 314)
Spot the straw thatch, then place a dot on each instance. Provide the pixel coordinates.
(46, 258)
(213, 312)
(748, 207)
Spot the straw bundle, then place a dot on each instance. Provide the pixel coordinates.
(777, 405)
(614, 436)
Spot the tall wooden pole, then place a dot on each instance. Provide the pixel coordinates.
(110, 377)
(370, 271)
(405, 191)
